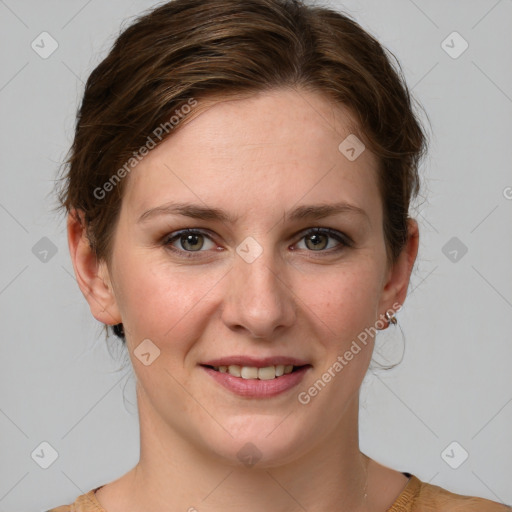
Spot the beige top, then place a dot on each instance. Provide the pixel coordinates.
(417, 496)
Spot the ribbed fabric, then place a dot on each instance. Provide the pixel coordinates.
(407, 497)
(84, 503)
(417, 496)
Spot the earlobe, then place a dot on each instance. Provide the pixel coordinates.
(91, 274)
(395, 289)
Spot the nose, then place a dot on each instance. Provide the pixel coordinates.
(259, 300)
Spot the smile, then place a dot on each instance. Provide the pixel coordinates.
(251, 372)
(257, 382)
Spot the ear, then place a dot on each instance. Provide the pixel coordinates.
(91, 274)
(397, 281)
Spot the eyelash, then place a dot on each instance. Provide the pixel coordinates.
(343, 239)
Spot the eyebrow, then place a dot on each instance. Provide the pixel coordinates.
(195, 211)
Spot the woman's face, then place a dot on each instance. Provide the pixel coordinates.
(254, 286)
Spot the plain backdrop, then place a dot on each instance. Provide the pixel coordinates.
(444, 413)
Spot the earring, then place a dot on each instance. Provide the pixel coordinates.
(391, 318)
(385, 345)
(118, 330)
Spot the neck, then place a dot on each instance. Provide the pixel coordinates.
(173, 474)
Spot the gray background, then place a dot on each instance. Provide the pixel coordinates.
(61, 384)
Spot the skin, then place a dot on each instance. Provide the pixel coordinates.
(256, 158)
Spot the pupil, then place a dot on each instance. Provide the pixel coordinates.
(191, 240)
(315, 239)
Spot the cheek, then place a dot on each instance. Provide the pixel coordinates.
(342, 302)
(161, 301)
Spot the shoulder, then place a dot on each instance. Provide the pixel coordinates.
(425, 497)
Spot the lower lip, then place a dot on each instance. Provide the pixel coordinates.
(256, 388)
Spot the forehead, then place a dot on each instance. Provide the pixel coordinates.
(273, 148)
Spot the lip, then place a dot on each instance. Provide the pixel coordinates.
(255, 388)
(257, 362)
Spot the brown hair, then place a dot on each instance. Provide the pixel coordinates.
(214, 49)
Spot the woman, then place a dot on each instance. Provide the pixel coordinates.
(237, 194)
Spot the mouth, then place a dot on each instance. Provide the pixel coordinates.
(270, 372)
(257, 378)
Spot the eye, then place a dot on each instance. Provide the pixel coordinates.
(317, 239)
(188, 240)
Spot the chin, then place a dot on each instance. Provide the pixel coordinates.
(261, 441)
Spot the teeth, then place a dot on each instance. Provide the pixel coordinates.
(234, 370)
(251, 372)
(267, 373)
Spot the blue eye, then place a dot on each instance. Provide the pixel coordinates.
(189, 241)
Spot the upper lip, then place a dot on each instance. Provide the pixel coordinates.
(257, 362)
